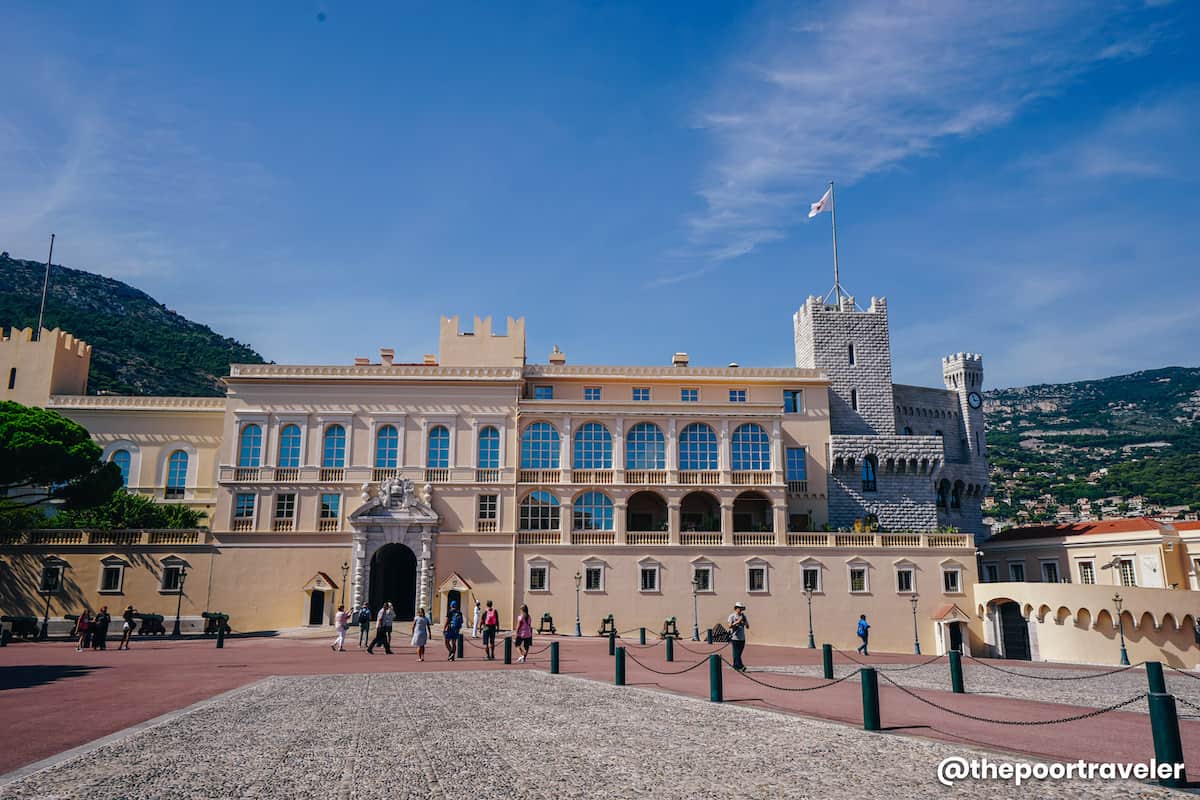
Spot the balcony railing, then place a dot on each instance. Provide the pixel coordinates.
(384, 473)
(115, 537)
(56, 537)
(854, 540)
(242, 525)
(332, 474)
(592, 476)
(539, 537)
(949, 540)
(808, 539)
(647, 537)
(757, 539)
(437, 475)
(287, 474)
(900, 540)
(700, 538)
(327, 525)
(486, 525)
(283, 525)
(539, 476)
(46, 536)
(646, 477)
(593, 537)
(489, 475)
(755, 478)
(246, 473)
(797, 487)
(699, 477)
(173, 537)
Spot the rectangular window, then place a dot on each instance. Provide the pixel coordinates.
(799, 523)
(331, 504)
(689, 395)
(858, 579)
(110, 578)
(904, 581)
(703, 578)
(793, 401)
(1087, 572)
(243, 506)
(52, 578)
(797, 464)
(285, 506)
(539, 579)
(649, 579)
(543, 393)
(854, 399)
(593, 579)
(850, 353)
(812, 579)
(12, 377)
(991, 573)
(950, 581)
(641, 394)
(1016, 572)
(1128, 576)
(756, 579)
(170, 578)
(488, 504)
(737, 395)
(591, 393)
(1049, 572)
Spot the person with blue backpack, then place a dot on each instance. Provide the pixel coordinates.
(864, 629)
(452, 629)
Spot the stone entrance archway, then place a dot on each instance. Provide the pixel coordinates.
(395, 534)
(394, 578)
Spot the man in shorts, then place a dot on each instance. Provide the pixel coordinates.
(452, 630)
(491, 623)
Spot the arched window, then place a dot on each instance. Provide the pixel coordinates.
(592, 511)
(387, 447)
(956, 495)
(250, 446)
(943, 491)
(645, 447)
(489, 448)
(121, 459)
(539, 512)
(539, 447)
(698, 447)
(438, 456)
(289, 447)
(869, 468)
(593, 447)
(751, 448)
(850, 353)
(177, 469)
(333, 455)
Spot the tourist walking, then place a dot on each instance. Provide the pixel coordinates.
(738, 624)
(475, 621)
(383, 630)
(452, 629)
(420, 633)
(524, 631)
(491, 623)
(127, 626)
(864, 630)
(341, 621)
(82, 625)
(100, 625)
(364, 626)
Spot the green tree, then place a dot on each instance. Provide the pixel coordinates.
(45, 456)
(125, 510)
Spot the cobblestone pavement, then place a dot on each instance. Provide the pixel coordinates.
(507, 735)
(1096, 692)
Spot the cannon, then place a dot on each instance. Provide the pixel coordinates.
(608, 626)
(670, 629)
(547, 624)
(25, 627)
(216, 622)
(151, 624)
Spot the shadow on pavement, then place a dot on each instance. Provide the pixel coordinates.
(24, 677)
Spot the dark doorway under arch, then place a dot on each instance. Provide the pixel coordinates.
(1014, 632)
(394, 580)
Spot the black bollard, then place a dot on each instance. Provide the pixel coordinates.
(612, 643)
(827, 660)
(461, 646)
(554, 658)
(642, 635)
(619, 662)
(870, 695)
(956, 676)
(716, 690)
(708, 636)
(507, 649)
(670, 649)
(221, 636)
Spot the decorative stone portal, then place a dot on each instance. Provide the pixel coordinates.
(455, 588)
(951, 624)
(395, 536)
(318, 599)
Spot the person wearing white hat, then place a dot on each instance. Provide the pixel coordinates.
(738, 624)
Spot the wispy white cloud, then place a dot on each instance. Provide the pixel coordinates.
(847, 90)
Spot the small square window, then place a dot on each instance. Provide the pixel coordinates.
(689, 395)
(904, 581)
(171, 578)
(539, 579)
(110, 578)
(330, 506)
(593, 579)
(487, 506)
(702, 577)
(1016, 572)
(756, 579)
(1050, 572)
(649, 579)
(991, 573)
(1087, 572)
(591, 393)
(737, 395)
(858, 579)
(1128, 576)
(641, 394)
(950, 581)
(543, 393)
(243, 507)
(285, 506)
(793, 401)
(812, 579)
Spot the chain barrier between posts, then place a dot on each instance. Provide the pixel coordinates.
(1021, 722)
(633, 658)
(748, 677)
(887, 668)
(683, 646)
(1056, 677)
(1184, 672)
(1187, 703)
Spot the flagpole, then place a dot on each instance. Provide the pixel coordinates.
(45, 287)
(837, 283)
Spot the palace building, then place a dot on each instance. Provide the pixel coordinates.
(645, 492)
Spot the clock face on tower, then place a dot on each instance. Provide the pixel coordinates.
(974, 400)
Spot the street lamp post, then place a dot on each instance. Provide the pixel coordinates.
(695, 609)
(808, 593)
(916, 637)
(578, 586)
(345, 572)
(44, 633)
(175, 634)
(1121, 629)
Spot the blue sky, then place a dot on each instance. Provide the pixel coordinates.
(321, 180)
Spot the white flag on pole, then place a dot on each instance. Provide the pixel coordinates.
(824, 204)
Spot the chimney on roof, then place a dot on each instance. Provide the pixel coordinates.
(679, 360)
(386, 355)
(362, 362)
(430, 360)
(558, 356)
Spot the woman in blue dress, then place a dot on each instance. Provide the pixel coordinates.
(420, 633)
